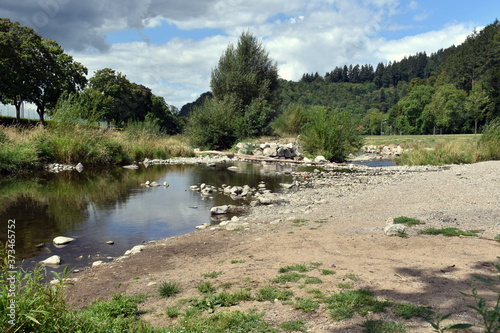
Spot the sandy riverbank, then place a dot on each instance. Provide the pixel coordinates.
(342, 228)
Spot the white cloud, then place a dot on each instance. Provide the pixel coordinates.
(178, 70)
(302, 36)
(429, 42)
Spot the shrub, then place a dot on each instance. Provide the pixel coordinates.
(291, 121)
(168, 289)
(489, 144)
(330, 133)
(212, 125)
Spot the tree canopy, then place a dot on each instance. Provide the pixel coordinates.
(243, 87)
(35, 69)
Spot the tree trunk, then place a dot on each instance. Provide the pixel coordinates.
(17, 104)
(40, 109)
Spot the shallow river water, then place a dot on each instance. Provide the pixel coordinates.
(95, 207)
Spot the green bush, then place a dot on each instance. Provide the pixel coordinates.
(291, 121)
(330, 133)
(213, 124)
(489, 144)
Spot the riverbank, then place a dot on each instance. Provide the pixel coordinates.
(335, 222)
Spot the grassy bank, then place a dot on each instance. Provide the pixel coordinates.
(444, 149)
(29, 148)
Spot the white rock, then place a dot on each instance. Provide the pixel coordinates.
(320, 159)
(61, 240)
(54, 260)
(134, 250)
(217, 210)
(394, 229)
(97, 263)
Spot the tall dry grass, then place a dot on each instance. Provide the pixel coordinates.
(23, 149)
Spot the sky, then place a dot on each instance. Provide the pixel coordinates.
(171, 46)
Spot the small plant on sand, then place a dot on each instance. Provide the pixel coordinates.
(408, 310)
(306, 304)
(490, 313)
(301, 268)
(408, 221)
(288, 277)
(327, 272)
(270, 293)
(380, 326)
(313, 280)
(448, 232)
(212, 275)
(168, 289)
(294, 326)
(345, 304)
(345, 285)
(437, 326)
(206, 287)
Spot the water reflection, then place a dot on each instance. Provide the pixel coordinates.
(111, 205)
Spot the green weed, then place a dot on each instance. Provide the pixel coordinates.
(380, 326)
(212, 275)
(448, 232)
(306, 304)
(408, 310)
(206, 287)
(288, 277)
(168, 289)
(345, 304)
(408, 221)
(298, 268)
(270, 293)
(294, 326)
(327, 272)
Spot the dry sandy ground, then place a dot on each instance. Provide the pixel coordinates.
(344, 232)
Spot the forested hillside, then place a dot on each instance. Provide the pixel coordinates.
(455, 90)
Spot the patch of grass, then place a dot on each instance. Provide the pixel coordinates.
(497, 238)
(224, 321)
(212, 275)
(408, 310)
(327, 272)
(351, 276)
(345, 285)
(448, 232)
(237, 261)
(408, 221)
(172, 312)
(316, 293)
(224, 299)
(294, 326)
(402, 235)
(168, 289)
(313, 280)
(299, 222)
(298, 268)
(380, 326)
(206, 287)
(345, 304)
(288, 277)
(270, 293)
(306, 304)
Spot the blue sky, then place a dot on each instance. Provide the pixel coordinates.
(171, 46)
